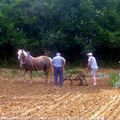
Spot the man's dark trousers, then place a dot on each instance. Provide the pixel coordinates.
(58, 73)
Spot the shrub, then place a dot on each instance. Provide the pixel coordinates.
(115, 80)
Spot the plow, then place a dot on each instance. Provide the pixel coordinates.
(76, 75)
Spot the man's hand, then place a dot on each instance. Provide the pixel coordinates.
(87, 69)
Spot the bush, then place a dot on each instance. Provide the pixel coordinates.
(115, 80)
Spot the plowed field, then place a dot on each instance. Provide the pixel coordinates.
(20, 100)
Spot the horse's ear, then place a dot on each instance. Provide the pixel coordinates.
(18, 50)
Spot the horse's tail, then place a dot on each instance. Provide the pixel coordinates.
(51, 69)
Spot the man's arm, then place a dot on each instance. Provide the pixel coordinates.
(64, 61)
(88, 65)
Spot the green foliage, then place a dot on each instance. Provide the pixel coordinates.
(14, 73)
(36, 73)
(71, 27)
(115, 80)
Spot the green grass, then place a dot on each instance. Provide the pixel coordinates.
(37, 73)
(114, 79)
(13, 73)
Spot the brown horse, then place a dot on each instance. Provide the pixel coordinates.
(30, 63)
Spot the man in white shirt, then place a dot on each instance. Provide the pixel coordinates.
(92, 63)
(58, 63)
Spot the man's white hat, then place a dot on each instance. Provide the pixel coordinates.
(58, 54)
(89, 54)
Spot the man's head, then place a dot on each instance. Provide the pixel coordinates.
(58, 54)
(89, 54)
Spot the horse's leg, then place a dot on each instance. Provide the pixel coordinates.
(30, 76)
(46, 75)
(50, 72)
(46, 71)
(25, 71)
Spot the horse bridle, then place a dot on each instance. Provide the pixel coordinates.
(21, 58)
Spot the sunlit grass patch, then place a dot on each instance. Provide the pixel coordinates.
(37, 73)
(115, 80)
(14, 73)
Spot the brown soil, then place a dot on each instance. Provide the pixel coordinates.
(20, 100)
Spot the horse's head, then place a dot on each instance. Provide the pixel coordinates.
(21, 54)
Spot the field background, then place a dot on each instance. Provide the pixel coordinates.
(20, 100)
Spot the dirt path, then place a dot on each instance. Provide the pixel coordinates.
(37, 101)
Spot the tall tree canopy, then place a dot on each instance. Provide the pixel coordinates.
(72, 27)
